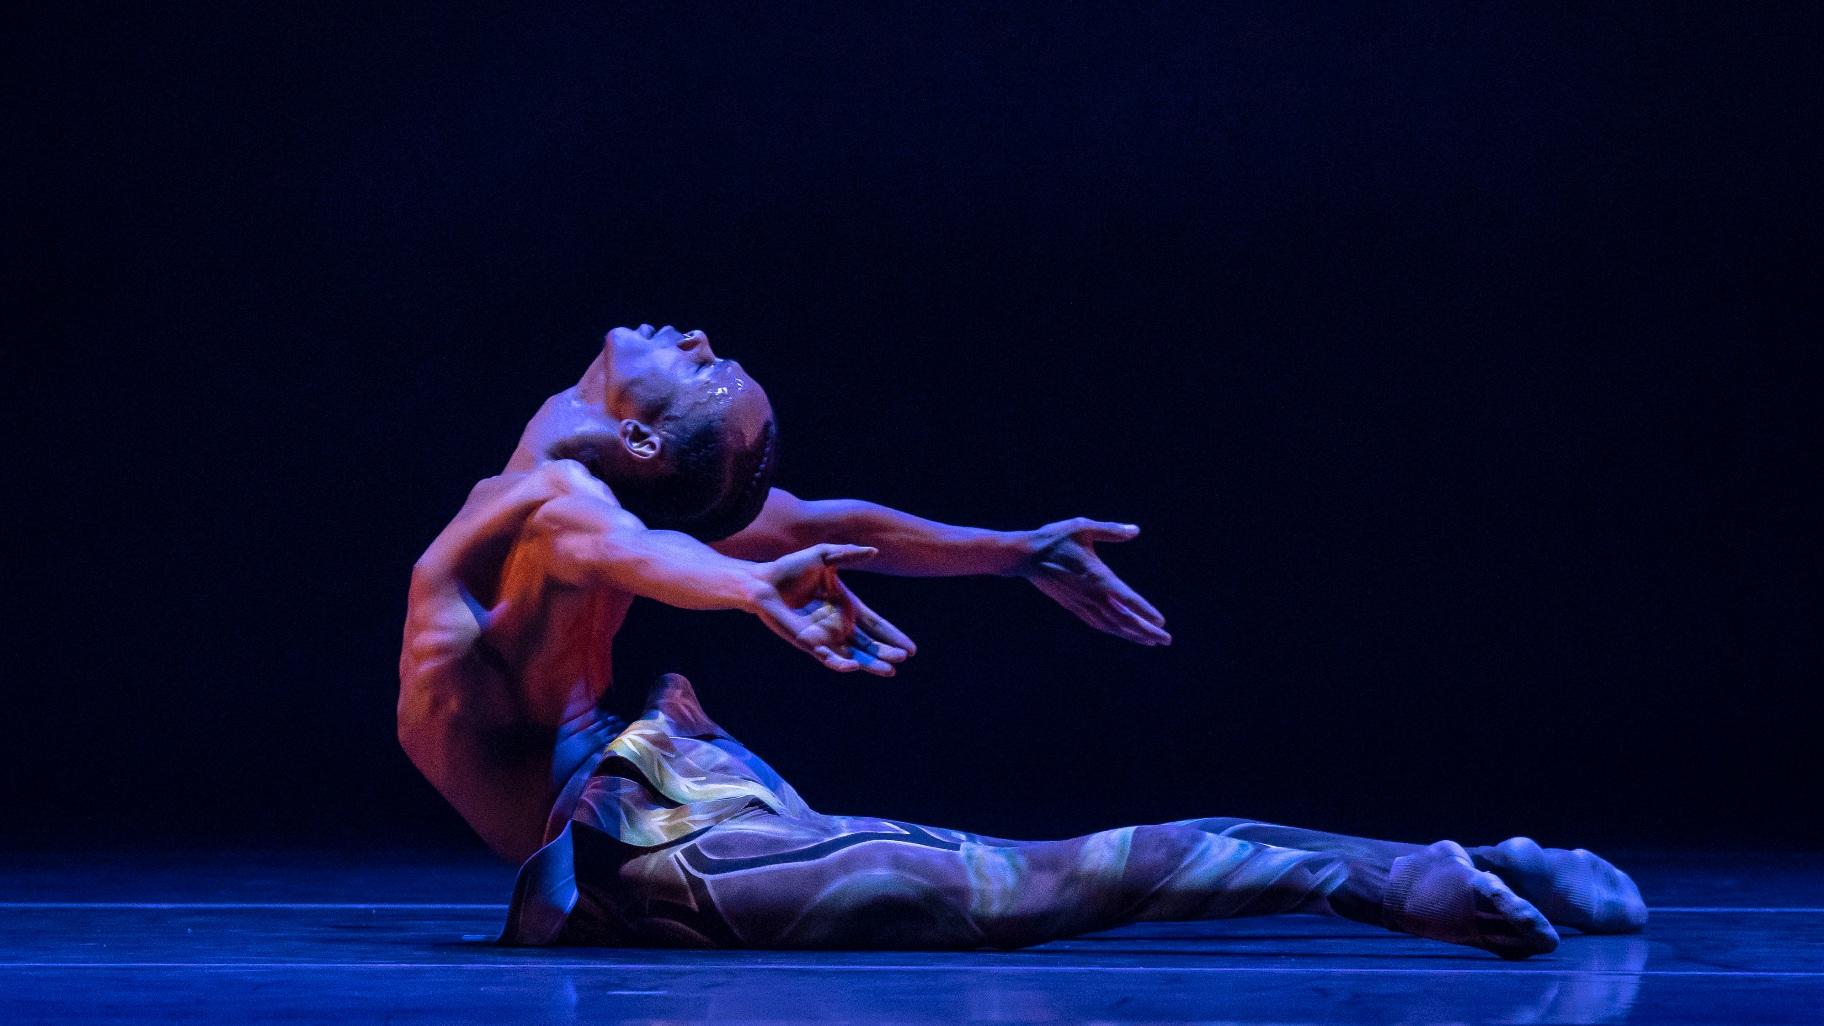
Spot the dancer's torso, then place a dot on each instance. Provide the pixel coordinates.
(553, 647)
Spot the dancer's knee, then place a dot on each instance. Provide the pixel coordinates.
(1053, 889)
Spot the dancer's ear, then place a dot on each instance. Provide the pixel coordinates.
(639, 439)
(603, 453)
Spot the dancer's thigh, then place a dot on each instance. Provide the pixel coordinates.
(820, 881)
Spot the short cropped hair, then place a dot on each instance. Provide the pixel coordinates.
(716, 485)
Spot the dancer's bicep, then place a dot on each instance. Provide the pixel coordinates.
(600, 545)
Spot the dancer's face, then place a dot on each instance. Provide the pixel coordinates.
(663, 375)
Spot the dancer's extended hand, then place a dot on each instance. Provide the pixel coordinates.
(1064, 565)
(809, 606)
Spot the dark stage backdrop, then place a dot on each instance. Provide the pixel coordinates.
(1454, 360)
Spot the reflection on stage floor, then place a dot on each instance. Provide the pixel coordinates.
(239, 938)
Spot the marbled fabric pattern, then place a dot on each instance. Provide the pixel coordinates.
(683, 837)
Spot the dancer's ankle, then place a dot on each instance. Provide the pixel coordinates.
(1362, 896)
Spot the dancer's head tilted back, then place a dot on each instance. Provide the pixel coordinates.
(689, 438)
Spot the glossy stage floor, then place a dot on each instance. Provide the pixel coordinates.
(258, 937)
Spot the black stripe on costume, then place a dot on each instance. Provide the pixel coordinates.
(605, 896)
(706, 918)
(710, 865)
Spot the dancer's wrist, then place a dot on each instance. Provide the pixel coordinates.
(1015, 553)
(754, 593)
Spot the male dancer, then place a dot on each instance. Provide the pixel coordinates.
(651, 477)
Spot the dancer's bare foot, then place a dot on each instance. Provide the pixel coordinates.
(1438, 893)
(1573, 888)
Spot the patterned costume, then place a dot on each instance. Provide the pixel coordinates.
(677, 835)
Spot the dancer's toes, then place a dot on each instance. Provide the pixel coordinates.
(1573, 888)
(1438, 893)
(1510, 926)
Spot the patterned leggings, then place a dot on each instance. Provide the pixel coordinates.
(683, 837)
(763, 881)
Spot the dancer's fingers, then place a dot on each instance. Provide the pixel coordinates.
(878, 627)
(1138, 627)
(875, 624)
(1092, 615)
(810, 629)
(1112, 625)
(1107, 531)
(1103, 617)
(828, 657)
(1079, 606)
(844, 555)
(861, 642)
(1132, 598)
(825, 554)
(869, 658)
(1104, 612)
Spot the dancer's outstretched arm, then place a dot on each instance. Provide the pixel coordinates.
(1059, 558)
(590, 540)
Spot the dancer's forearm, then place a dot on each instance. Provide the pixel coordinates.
(909, 546)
